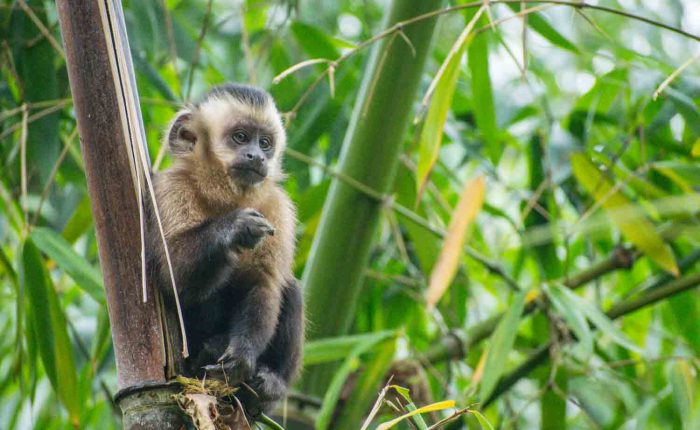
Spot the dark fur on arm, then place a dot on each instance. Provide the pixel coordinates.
(199, 254)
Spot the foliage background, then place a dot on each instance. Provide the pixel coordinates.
(590, 182)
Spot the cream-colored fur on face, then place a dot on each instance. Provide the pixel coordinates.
(198, 187)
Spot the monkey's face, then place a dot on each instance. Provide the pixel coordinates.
(239, 132)
(253, 146)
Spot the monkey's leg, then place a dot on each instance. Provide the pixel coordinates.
(280, 362)
(251, 327)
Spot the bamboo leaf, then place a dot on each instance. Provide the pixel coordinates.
(79, 222)
(438, 406)
(47, 317)
(365, 388)
(431, 133)
(351, 363)
(567, 305)
(337, 348)
(440, 93)
(469, 205)
(482, 93)
(605, 325)
(84, 274)
(683, 387)
(633, 224)
(483, 422)
(540, 24)
(501, 344)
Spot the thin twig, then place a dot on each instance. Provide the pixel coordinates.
(571, 3)
(42, 28)
(52, 175)
(23, 165)
(198, 48)
(172, 47)
(48, 111)
(622, 308)
(389, 202)
(674, 75)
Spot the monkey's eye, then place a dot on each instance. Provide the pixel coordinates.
(265, 144)
(240, 136)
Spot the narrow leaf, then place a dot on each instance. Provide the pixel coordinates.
(482, 93)
(605, 325)
(683, 386)
(469, 205)
(438, 406)
(85, 275)
(440, 100)
(483, 422)
(47, 317)
(632, 223)
(567, 305)
(351, 363)
(540, 24)
(501, 344)
(337, 348)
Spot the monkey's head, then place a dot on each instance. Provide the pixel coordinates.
(235, 128)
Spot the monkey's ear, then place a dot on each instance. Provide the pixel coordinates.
(181, 137)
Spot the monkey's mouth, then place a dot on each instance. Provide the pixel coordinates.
(247, 173)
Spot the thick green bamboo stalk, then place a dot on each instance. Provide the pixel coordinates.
(370, 154)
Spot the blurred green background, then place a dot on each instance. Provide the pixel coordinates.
(590, 184)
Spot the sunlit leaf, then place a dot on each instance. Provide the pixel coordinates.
(633, 224)
(501, 344)
(438, 406)
(469, 205)
(440, 100)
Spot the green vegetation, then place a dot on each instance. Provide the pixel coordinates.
(501, 199)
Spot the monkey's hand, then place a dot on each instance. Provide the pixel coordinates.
(249, 228)
(234, 366)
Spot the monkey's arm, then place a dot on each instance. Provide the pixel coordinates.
(199, 254)
(280, 362)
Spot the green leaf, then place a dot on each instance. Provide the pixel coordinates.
(314, 42)
(687, 108)
(337, 348)
(79, 222)
(430, 138)
(84, 274)
(605, 325)
(483, 422)
(501, 344)
(437, 406)
(350, 364)
(54, 344)
(567, 305)
(683, 384)
(482, 92)
(540, 24)
(365, 389)
(628, 218)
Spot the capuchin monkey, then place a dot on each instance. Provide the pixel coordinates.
(229, 227)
